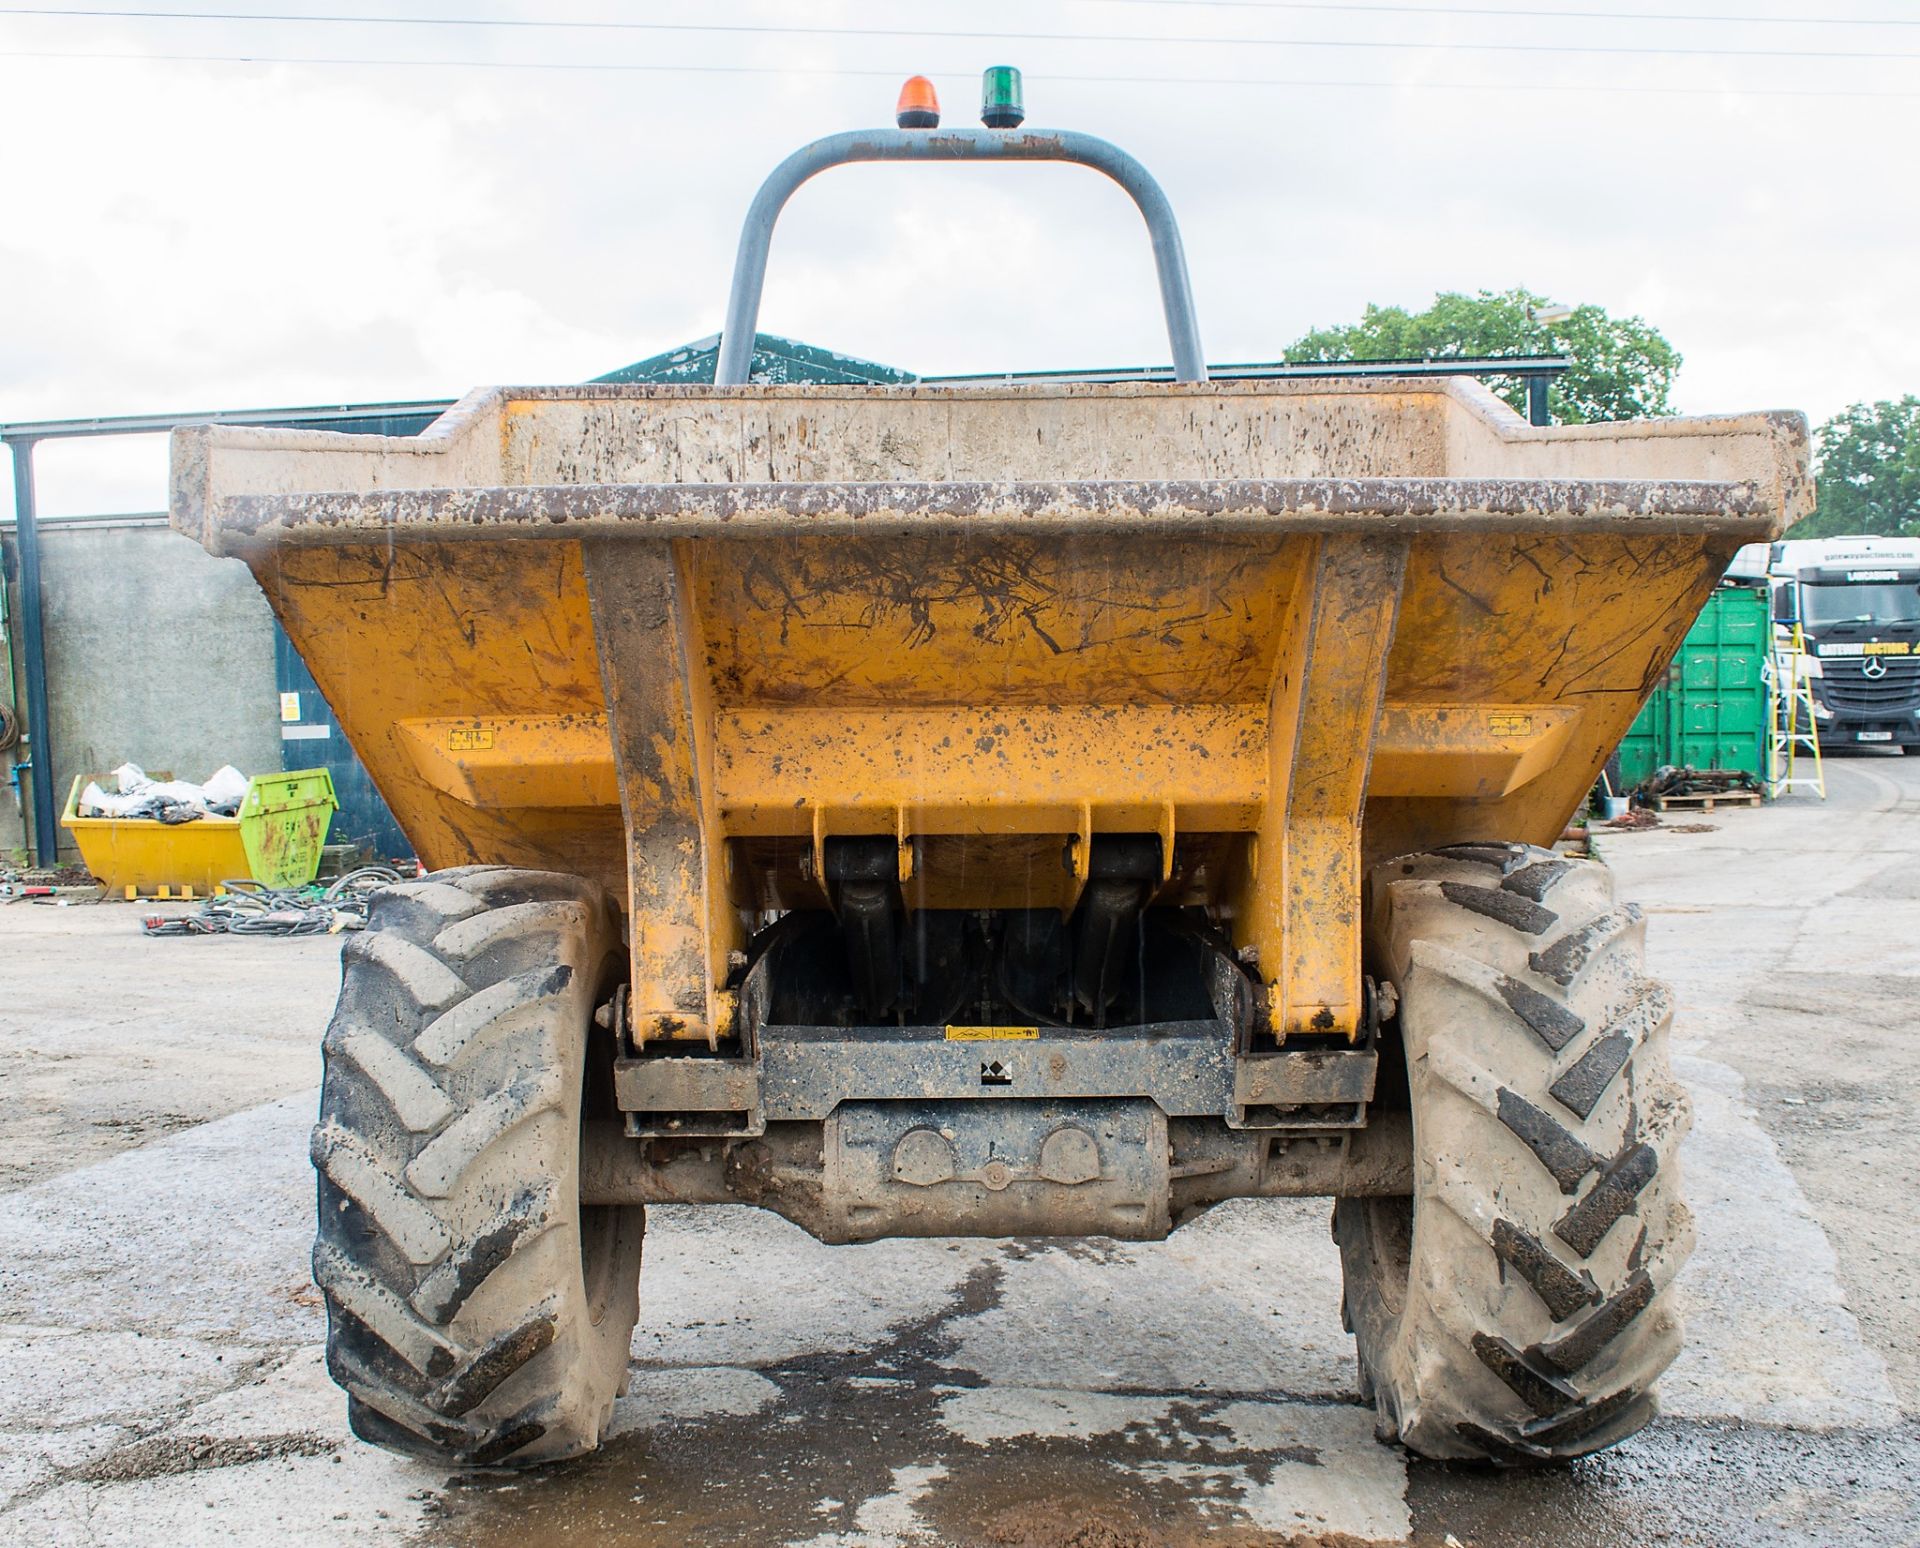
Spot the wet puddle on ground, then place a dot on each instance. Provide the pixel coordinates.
(899, 1444)
(826, 1474)
(894, 1444)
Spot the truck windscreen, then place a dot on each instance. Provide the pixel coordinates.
(1880, 602)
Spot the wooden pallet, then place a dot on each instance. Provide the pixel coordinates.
(1705, 801)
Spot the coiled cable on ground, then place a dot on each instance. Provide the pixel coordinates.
(247, 908)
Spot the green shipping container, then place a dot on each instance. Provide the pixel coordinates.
(1711, 712)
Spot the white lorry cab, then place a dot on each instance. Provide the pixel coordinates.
(1857, 602)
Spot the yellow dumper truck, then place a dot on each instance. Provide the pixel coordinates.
(995, 810)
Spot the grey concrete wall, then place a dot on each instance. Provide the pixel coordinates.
(156, 652)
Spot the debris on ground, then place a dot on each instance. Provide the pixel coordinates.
(247, 908)
(48, 884)
(1667, 780)
(171, 801)
(1038, 1525)
(47, 876)
(1635, 818)
(166, 1456)
(57, 897)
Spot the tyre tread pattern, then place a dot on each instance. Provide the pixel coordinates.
(1586, 1225)
(1501, 906)
(437, 996)
(1564, 1157)
(1561, 1290)
(1563, 960)
(1569, 1086)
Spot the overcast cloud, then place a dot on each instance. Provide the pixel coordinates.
(188, 234)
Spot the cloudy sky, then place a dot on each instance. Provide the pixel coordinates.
(244, 204)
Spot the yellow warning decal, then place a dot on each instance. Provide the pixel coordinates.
(470, 739)
(1509, 725)
(991, 1034)
(1870, 648)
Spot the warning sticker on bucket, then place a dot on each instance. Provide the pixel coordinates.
(470, 739)
(1509, 725)
(991, 1034)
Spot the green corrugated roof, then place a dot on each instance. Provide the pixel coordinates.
(775, 360)
(785, 361)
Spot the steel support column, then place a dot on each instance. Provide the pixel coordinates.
(1537, 401)
(39, 739)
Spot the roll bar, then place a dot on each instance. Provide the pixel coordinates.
(756, 236)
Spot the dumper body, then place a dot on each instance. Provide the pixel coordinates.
(996, 809)
(1053, 658)
(987, 783)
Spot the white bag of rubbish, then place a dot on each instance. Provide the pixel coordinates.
(172, 801)
(96, 801)
(128, 798)
(224, 790)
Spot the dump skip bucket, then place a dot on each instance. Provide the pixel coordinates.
(275, 840)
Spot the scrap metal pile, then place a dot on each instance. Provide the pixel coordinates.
(1668, 780)
(247, 908)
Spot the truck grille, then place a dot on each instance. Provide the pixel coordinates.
(1896, 693)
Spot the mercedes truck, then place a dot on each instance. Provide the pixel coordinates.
(1857, 603)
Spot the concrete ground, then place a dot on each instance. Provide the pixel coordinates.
(160, 1376)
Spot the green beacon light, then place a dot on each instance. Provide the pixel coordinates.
(1001, 106)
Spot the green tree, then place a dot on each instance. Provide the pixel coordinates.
(1622, 367)
(1868, 471)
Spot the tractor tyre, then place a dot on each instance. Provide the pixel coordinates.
(1517, 1308)
(477, 1314)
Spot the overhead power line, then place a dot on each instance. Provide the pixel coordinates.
(1519, 12)
(619, 67)
(954, 34)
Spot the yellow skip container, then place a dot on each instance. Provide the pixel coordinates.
(275, 840)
